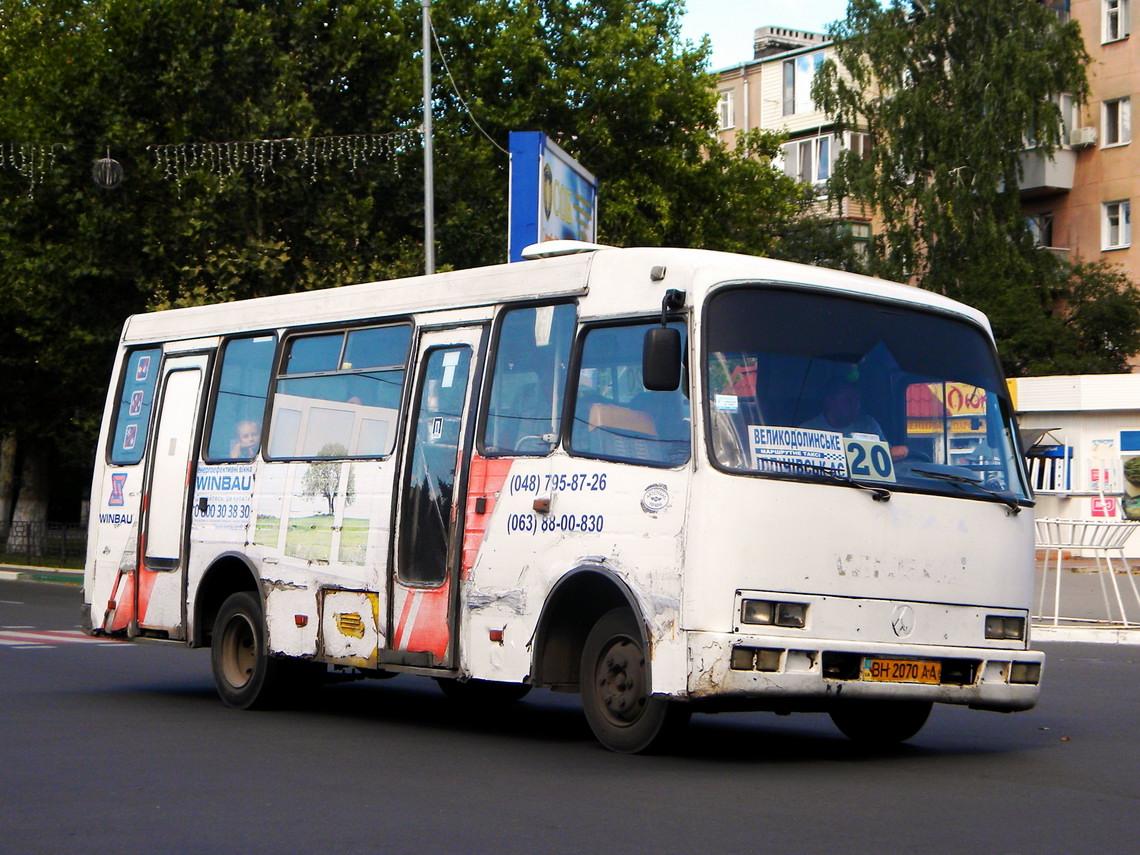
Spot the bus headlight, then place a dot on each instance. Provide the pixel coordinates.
(1005, 627)
(770, 613)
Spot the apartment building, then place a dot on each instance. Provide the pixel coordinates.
(772, 91)
(1080, 201)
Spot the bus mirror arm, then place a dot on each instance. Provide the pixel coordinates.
(673, 301)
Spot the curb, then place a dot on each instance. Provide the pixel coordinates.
(24, 573)
(1087, 634)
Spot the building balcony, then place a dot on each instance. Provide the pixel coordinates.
(1042, 175)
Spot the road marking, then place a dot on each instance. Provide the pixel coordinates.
(28, 638)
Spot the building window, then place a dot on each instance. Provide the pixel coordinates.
(823, 158)
(810, 160)
(861, 238)
(1069, 109)
(1041, 227)
(789, 87)
(1060, 8)
(1115, 20)
(724, 111)
(1070, 114)
(798, 75)
(860, 144)
(805, 161)
(1117, 224)
(1117, 122)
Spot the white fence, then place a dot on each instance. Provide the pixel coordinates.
(1104, 541)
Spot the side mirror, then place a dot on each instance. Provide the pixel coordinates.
(661, 359)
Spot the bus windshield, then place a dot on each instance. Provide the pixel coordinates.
(820, 386)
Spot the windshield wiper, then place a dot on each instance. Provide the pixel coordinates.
(1008, 499)
(879, 494)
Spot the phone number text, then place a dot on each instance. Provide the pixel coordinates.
(222, 511)
(592, 482)
(568, 523)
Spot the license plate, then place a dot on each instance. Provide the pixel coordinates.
(902, 671)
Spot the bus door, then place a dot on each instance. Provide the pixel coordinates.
(160, 575)
(429, 531)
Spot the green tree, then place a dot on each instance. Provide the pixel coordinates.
(84, 80)
(612, 82)
(150, 83)
(819, 239)
(951, 91)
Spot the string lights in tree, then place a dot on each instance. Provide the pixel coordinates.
(314, 155)
(107, 172)
(261, 157)
(30, 160)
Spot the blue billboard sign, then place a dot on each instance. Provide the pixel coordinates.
(551, 197)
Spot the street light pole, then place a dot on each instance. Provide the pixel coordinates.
(429, 178)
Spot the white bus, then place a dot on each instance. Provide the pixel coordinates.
(671, 480)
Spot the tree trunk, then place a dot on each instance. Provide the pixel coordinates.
(7, 480)
(29, 519)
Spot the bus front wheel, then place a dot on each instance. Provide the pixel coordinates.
(615, 689)
(880, 723)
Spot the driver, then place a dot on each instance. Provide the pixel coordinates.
(843, 413)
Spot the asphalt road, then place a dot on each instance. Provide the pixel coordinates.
(109, 747)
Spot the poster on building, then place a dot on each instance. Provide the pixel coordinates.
(1104, 478)
(552, 197)
(1104, 507)
(1104, 466)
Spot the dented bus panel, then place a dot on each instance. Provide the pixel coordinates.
(464, 476)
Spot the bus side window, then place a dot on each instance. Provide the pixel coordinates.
(338, 394)
(136, 401)
(532, 350)
(239, 405)
(615, 416)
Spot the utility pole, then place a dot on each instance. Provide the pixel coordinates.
(429, 178)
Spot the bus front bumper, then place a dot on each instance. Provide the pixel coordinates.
(738, 671)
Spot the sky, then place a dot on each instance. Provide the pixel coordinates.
(730, 23)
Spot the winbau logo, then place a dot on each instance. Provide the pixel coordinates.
(118, 482)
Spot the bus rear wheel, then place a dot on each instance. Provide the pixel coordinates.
(245, 675)
(880, 723)
(615, 689)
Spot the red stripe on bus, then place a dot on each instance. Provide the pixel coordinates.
(485, 481)
(147, 578)
(121, 609)
(410, 595)
(430, 631)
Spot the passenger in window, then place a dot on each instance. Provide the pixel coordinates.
(248, 440)
(843, 413)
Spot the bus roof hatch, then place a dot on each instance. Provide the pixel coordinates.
(554, 248)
